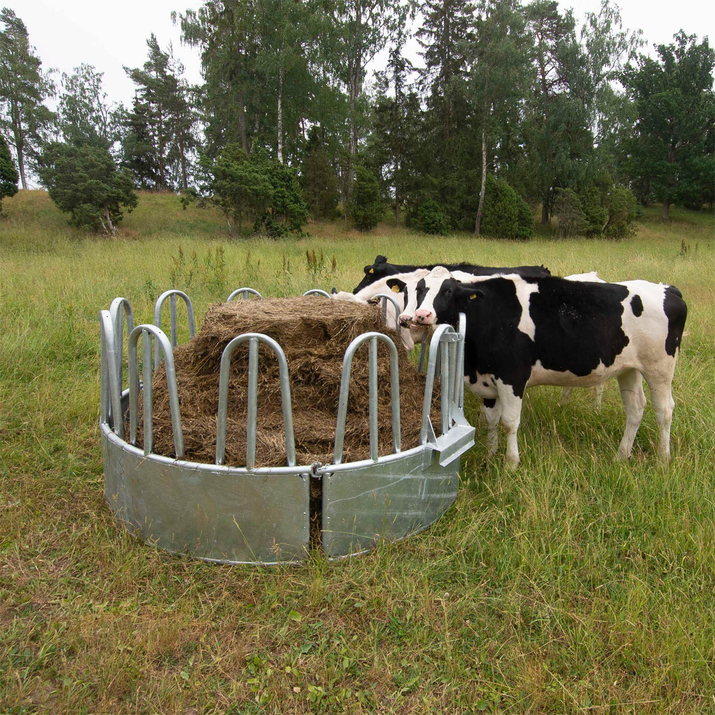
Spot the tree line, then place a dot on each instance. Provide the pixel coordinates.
(515, 107)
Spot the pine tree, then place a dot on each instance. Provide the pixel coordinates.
(23, 89)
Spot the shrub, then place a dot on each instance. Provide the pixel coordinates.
(505, 213)
(366, 207)
(595, 213)
(256, 186)
(567, 208)
(431, 219)
(621, 204)
(84, 182)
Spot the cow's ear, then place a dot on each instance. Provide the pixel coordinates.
(396, 285)
(368, 269)
(380, 259)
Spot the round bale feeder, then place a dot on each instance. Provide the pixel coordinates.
(262, 514)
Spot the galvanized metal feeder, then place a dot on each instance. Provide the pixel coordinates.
(261, 515)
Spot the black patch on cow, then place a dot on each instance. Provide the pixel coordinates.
(489, 403)
(420, 291)
(589, 327)
(577, 327)
(493, 343)
(637, 306)
(676, 311)
(396, 283)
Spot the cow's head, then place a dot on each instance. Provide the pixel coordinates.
(454, 298)
(421, 291)
(379, 269)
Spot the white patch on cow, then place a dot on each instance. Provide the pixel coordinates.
(523, 294)
(484, 386)
(591, 277)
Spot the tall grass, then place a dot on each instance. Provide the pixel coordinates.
(577, 584)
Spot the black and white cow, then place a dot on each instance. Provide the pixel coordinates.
(384, 277)
(382, 269)
(552, 331)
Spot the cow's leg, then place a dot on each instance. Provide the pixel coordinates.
(599, 396)
(630, 384)
(565, 395)
(492, 411)
(663, 403)
(510, 418)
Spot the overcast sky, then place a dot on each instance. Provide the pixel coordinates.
(109, 36)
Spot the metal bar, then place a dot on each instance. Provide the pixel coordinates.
(372, 386)
(133, 360)
(148, 393)
(317, 291)
(459, 372)
(384, 297)
(345, 392)
(172, 310)
(118, 309)
(429, 381)
(255, 339)
(445, 388)
(243, 292)
(112, 390)
(157, 318)
(252, 403)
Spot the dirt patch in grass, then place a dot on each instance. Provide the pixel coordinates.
(314, 335)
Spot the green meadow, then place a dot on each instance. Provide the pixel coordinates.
(576, 584)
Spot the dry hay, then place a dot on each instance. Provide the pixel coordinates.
(314, 335)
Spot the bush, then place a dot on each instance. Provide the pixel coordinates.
(256, 186)
(84, 182)
(506, 214)
(567, 208)
(621, 204)
(431, 219)
(366, 207)
(594, 211)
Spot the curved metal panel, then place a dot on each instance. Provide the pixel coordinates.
(209, 512)
(389, 500)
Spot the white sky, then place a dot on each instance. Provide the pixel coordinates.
(109, 36)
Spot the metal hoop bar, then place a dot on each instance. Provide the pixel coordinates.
(148, 393)
(252, 408)
(317, 291)
(244, 292)
(372, 387)
(459, 367)
(429, 382)
(118, 308)
(157, 318)
(345, 392)
(445, 388)
(384, 297)
(110, 393)
(133, 360)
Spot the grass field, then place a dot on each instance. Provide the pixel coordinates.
(576, 584)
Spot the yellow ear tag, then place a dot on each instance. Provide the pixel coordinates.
(372, 270)
(395, 289)
(473, 296)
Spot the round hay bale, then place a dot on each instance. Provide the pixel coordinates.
(314, 335)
